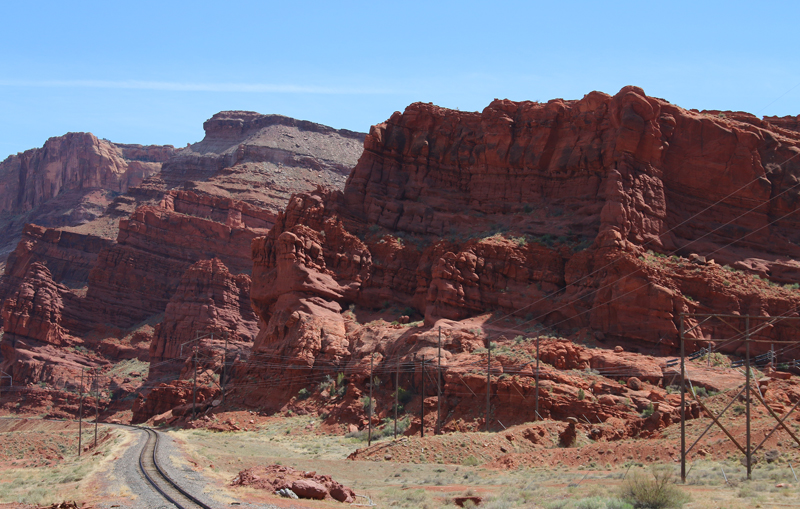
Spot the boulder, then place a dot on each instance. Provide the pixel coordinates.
(308, 488)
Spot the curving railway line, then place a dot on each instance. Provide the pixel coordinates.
(158, 478)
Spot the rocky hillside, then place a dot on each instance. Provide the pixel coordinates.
(173, 245)
(600, 220)
(582, 227)
(69, 181)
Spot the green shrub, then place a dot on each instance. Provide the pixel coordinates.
(341, 385)
(368, 403)
(470, 461)
(648, 411)
(615, 503)
(303, 394)
(581, 395)
(403, 396)
(655, 491)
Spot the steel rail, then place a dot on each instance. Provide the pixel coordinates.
(148, 457)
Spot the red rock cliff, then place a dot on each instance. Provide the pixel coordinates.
(136, 277)
(545, 211)
(72, 162)
(208, 299)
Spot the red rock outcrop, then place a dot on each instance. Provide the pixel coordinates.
(34, 310)
(236, 137)
(544, 212)
(136, 277)
(118, 278)
(788, 122)
(75, 161)
(304, 484)
(69, 181)
(208, 299)
(177, 394)
(34, 343)
(68, 256)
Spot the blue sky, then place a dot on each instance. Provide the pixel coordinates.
(152, 72)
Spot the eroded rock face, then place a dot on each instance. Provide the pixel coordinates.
(34, 310)
(234, 138)
(68, 256)
(74, 161)
(69, 181)
(177, 394)
(125, 262)
(136, 277)
(788, 122)
(546, 211)
(35, 339)
(208, 299)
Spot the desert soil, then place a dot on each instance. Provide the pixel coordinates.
(410, 472)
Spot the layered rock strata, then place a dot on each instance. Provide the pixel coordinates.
(136, 277)
(70, 180)
(118, 271)
(236, 137)
(555, 214)
(35, 344)
(209, 301)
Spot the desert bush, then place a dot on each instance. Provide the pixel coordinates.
(654, 491)
(403, 396)
(303, 394)
(470, 461)
(325, 383)
(383, 431)
(368, 403)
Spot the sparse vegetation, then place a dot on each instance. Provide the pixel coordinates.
(368, 403)
(654, 491)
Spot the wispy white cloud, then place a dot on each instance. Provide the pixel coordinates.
(170, 86)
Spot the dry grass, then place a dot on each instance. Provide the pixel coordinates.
(61, 480)
(292, 441)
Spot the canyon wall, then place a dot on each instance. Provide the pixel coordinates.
(166, 251)
(70, 181)
(597, 217)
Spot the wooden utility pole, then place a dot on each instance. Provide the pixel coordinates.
(438, 429)
(96, 404)
(683, 402)
(80, 415)
(536, 393)
(396, 393)
(224, 361)
(772, 356)
(422, 403)
(369, 435)
(747, 395)
(488, 379)
(194, 384)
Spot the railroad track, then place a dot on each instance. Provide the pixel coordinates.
(155, 475)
